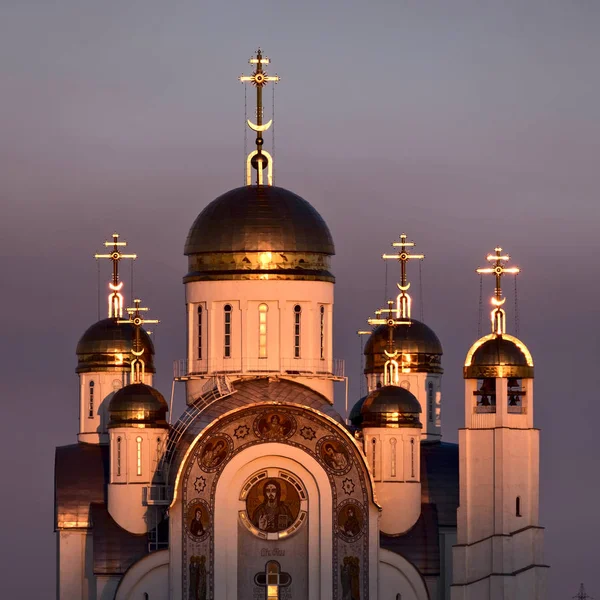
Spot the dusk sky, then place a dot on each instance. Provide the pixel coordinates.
(465, 124)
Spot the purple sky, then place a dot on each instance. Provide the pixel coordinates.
(465, 124)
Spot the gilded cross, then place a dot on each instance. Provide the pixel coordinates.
(115, 298)
(391, 317)
(403, 256)
(259, 159)
(498, 270)
(272, 579)
(138, 365)
(582, 594)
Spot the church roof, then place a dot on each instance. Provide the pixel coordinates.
(138, 405)
(259, 219)
(249, 392)
(80, 478)
(420, 545)
(107, 345)
(114, 548)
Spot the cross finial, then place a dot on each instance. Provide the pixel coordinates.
(498, 270)
(582, 594)
(138, 365)
(115, 298)
(403, 256)
(259, 159)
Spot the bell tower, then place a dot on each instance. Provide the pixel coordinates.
(499, 550)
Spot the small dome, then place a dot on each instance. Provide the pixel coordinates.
(391, 406)
(138, 405)
(107, 345)
(498, 356)
(416, 340)
(257, 230)
(355, 417)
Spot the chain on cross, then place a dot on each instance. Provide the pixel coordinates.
(138, 365)
(115, 298)
(259, 159)
(498, 270)
(403, 301)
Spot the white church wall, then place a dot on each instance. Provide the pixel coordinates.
(394, 457)
(245, 297)
(398, 578)
(150, 576)
(129, 474)
(75, 577)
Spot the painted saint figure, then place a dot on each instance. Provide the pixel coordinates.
(213, 454)
(352, 525)
(272, 515)
(350, 577)
(334, 458)
(198, 587)
(274, 429)
(196, 527)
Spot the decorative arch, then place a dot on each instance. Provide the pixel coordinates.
(305, 432)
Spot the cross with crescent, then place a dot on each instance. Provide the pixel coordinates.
(138, 365)
(403, 256)
(498, 269)
(115, 298)
(259, 159)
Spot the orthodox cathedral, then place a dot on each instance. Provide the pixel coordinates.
(261, 490)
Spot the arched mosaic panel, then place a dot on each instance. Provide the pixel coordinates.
(276, 503)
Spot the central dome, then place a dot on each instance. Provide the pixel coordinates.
(258, 218)
(259, 232)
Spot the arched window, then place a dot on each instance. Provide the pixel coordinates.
(91, 401)
(322, 331)
(373, 455)
(262, 330)
(227, 337)
(430, 401)
(146, 596)
(119, 457)
(138, 442)
(518, 507)
(297, 317)
(199, 333)
(158, 457)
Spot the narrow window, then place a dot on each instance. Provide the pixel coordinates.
(199, 333)
(138, 442)
(297, 315)
(430, 401)
(158, 462)
(374, 455)
(518, 506)
(146, 596)
(91, 401)
(322, 332)
(227, 339)
(118, 457)
(262, 330)
(393, 443)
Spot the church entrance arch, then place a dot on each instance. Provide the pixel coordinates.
(273, 476)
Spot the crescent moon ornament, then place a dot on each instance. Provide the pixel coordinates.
(255, 127)
(403, 288)
(496, 302)
(137, 353)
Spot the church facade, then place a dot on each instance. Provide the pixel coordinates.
(261, 489)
